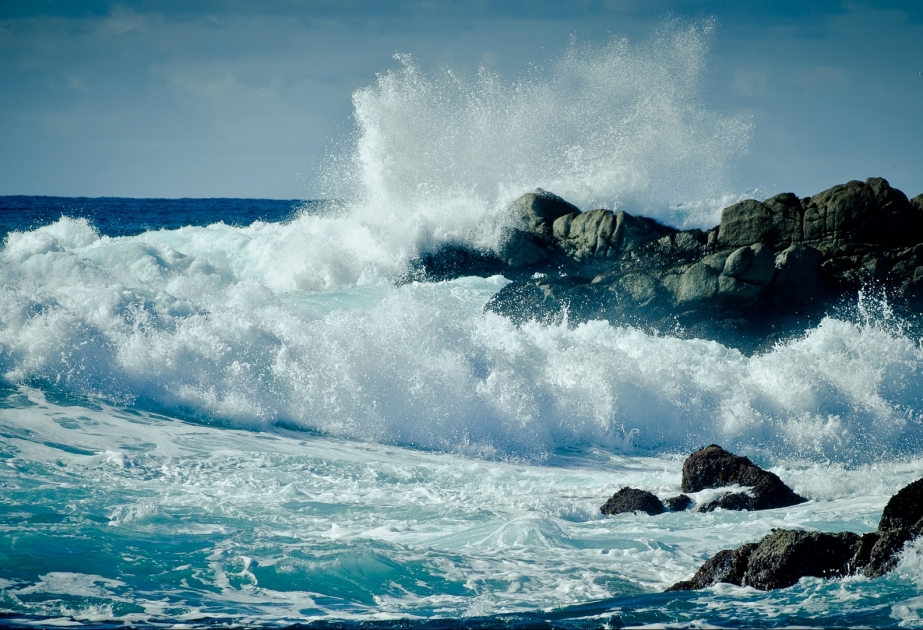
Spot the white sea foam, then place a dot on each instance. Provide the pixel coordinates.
(184, 321)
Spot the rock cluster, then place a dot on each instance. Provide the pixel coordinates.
(768, 269)
(712, 467)
(784, 556)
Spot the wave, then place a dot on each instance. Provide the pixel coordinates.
(298, 323)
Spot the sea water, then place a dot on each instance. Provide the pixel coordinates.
(239, 412)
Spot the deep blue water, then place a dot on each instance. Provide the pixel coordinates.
(124, 216)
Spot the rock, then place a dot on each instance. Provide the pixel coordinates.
(602, 234)
(856, 213)
(885, 551)
(728, 566)
(754, 264)
(714, 467)
(917, 203)
(778, 560)
(904, 509)
(536, 212)
(776, 223)
(797, 279)
(901, 522)
(529, 241)
(785, 556)
(632, 500)
(678, 503)
(769, 271)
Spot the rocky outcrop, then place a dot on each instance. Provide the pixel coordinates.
(770, 269)
(901, 521)
(783, 557)
(632, 500)
(714, 467)
(779, 560)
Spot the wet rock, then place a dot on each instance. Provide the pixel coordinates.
(530, 240)
(861, 213)
(778, 560)
(901, 522)
(728, 566)
(797, 278)
(678, 503)
(603, 234)
(632, 500)
(904, 509)
(714, 467)
(776, 222)
(785, 556)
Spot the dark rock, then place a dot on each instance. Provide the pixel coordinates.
(797, 278)
(602, 234)
(714, 467)
(776, 223)
(885, 552)
(901, 522)
(678, 503)
(632, 500)
(769, 271)
(529, 241)
(917, 203)
(904, 509)
(728, 566)
(857, 213)
(785, 556)
(863, 554)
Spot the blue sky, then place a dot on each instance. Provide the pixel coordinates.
(242, 99)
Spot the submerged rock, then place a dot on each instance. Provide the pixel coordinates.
(714, 467)
(632, 500)
(678, 503)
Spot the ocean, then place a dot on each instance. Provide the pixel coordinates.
(235, 412)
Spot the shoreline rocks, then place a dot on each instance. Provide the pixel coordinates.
(768, 270)
(784, 556)
(714, 467)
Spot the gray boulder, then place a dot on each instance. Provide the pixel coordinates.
(603, 234)
(777, 222)
(529, 241)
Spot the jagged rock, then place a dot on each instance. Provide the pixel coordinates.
(797, 277)
(785, 556)
(861, 213)
(714, 467)
(529, 241)
(678, 503)
(632, 500)
(602, 234)
(917, 202)
(776, 222)
(904, 509)
(728, 566)
(778, 560)
(901, 521)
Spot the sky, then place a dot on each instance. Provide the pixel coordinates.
(226, 98)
